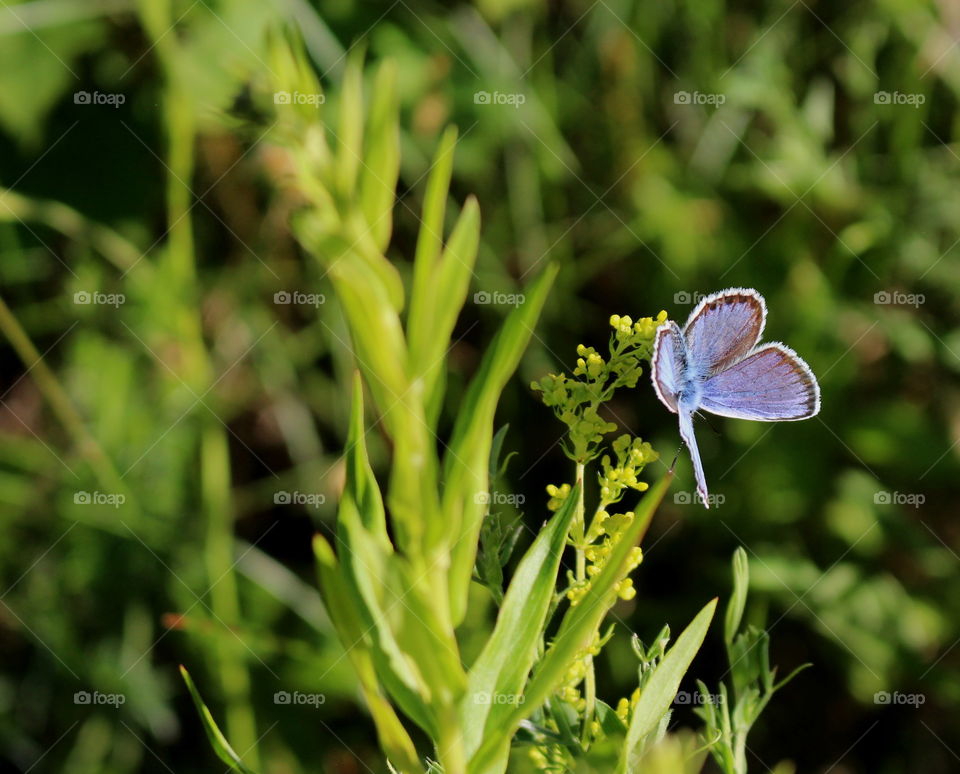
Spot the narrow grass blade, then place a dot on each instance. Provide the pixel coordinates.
(217, 740)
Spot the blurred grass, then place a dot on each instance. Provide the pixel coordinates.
(799, 184)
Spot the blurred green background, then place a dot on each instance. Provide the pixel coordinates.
(657, 150)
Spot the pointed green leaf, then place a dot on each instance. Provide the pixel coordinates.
(467, 457)
(738, 600)
(350, 125)
(450, 293)
(661, 688)
(429, 244)
(350, 625)
(363, 641)
(576, 631)
(360, 480)
(378, 179)
(503, 665)
(215, 736)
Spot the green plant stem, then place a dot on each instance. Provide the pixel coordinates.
(450, 749)
(216, 494)
(589, 680)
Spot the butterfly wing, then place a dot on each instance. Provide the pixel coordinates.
(667, 363)
(771, 384)
(723, 328)
(690, 439)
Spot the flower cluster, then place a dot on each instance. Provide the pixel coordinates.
(576, 398)
(558, 494)
(625, 706)
(632, 455)
(604, 533)
(570, 692)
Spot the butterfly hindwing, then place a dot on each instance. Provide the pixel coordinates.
(667, 363)
(723, 328)
(771, 384)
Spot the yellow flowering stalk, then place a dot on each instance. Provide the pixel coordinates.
(577, 399)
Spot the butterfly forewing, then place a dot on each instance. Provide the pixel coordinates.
(772, 384)
(723, 329)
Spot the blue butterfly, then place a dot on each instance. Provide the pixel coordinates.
(716, 364)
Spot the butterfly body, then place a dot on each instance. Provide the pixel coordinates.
(716, 364)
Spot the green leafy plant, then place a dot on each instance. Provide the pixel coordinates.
(395, 575)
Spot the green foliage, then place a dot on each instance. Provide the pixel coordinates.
(800, 184)
(658, 688)
(730, 714)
